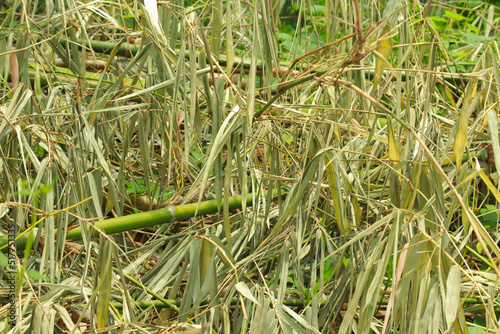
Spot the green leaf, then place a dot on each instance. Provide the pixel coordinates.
(455, 16)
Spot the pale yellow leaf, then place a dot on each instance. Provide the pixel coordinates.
(463, 123)
(384, 46)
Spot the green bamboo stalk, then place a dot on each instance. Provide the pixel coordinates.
(129, 50)
(288, 302)
(163, 301)
(173, 303)
(161, 216)
(177, 302)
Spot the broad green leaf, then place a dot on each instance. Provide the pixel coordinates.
(455, 16)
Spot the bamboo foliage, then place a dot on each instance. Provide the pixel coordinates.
(233, 167)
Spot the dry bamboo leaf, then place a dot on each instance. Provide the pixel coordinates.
(384, 46)
(217, 9)
(245, 291)
(205, 256)
(463, 123)
(104, 286)
(399, 272)
(492, 117)
(490, 185)
(229, 40)
(336, 193)
(452, 297)
(14, 71)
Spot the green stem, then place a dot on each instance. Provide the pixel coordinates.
(129, 50)
(177, 302)
(163, 301)
(234, 301)
(161, 216)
